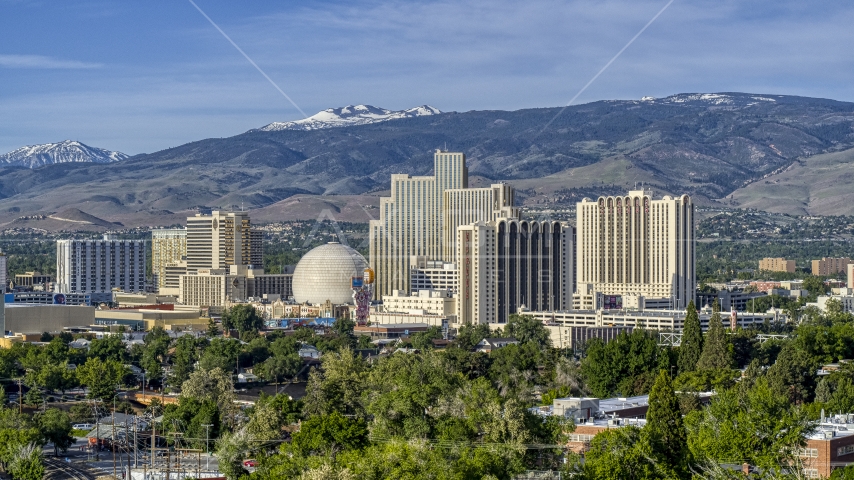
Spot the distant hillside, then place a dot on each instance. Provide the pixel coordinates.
(67, 151)
(816, 185)
(708, 145)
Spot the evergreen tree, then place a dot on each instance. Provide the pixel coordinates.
(213, 329)
(664, 431)
(692, 341)
(717, 353)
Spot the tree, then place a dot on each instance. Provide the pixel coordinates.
(618, 454)
(692, 341)
(749, 424)
(27, 463)
(110, 347)
(626, 365)
(55, 427)
(664, 430)
(470, 335)
(340, 385)
(185, 356)
(327, 435)
(793, 374)
(213, 329)
(717, 351)
(526, 328)
(54, 377)
(101, 377)
(815, 285)
(280, 366)
(221, 353)
(244, 318)
(214, 385)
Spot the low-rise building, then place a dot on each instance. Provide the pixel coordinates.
(29, 279)
(146, 319)
(830, 266)
(777, 265)
(847, 302)
(426, 274)
(29, 318)
(574, 338)
(379, 331)
(829, 447)
(487, 345)
(412, 316)
(851, 275)
(435, 302)
(49, 298)
(665, 320)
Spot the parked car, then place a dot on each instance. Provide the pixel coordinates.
(249, 463)
(83, 426)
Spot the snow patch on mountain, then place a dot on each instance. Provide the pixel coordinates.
(68, 151)
(720, 99)
(349, 116)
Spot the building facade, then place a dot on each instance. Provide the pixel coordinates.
(218, 240)
(426, 274)
(830, 266)
(434, 302)
(168, 245)
(636, 245)
(769, 264)
(464, 206)
(256, 248)
(212, 289)
(511, 263)
(99, 266)
(411, 221)
(29, 279)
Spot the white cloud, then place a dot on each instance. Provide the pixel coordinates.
(41, 61)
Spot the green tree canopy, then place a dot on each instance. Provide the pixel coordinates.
(55, 427)
(526, 328)
(692, 341)
(717, 350)
(243, 318)
(664, 431)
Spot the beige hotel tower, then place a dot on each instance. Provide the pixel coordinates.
(634, 245)
(422, 215)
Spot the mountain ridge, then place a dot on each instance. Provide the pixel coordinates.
(707, 145)
(348, 116)
(66, 151)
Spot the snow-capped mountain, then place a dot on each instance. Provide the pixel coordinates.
(350, 115)
(739, 99)
(68, 151)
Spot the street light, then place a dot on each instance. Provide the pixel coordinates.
(207, 445)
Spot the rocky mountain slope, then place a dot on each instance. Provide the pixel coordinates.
(349, 116)
(67, 151)
(708, 145)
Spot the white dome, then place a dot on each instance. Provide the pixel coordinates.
(325, 273)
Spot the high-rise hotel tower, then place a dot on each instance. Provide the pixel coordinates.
(410, 221)
(634, 245)
(422, 215)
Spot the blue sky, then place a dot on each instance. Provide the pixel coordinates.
(144, 76)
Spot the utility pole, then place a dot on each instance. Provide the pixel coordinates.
(153, 436)
(113, 440)
(20, 397)
(207, 445)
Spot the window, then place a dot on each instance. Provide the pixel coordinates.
(845, 450)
